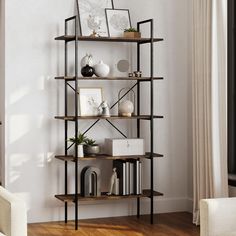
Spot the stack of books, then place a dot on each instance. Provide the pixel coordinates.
(129, 173)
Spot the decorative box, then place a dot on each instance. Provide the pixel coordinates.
(124, 147)
(132, 34)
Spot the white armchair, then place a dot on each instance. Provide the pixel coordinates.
(13, 218)
(218, 217)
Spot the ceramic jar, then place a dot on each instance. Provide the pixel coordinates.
(87, 71)
(101, 69)
(80, 149)
(91, 150)
(87, 60)
(126, 108)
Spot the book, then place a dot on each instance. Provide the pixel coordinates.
(127, 178)
(140, 178)
(131, 180)
(136, 177)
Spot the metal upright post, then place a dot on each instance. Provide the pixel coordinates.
(66, 123)
(76, 122)
(138, 107)
(152, 118)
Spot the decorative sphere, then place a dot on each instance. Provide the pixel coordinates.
(126, 108)
(101, 69)
(87, 71)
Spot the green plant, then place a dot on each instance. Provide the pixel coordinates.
(90, 142)
(81, 139)
(131, 30)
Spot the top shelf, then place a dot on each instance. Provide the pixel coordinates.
(68, 38)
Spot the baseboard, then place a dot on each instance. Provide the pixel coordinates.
(101, 209)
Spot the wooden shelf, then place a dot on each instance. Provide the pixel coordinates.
(68, 38)
(107, 157)
(72, 78)
(73, 118)
(71, 197)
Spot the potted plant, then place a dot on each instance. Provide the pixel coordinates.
(132, 33)
(79, 141)
(91, 148)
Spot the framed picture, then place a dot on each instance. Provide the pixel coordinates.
(89, 101)
(92, 18)
(117, 21)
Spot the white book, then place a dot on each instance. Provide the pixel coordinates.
(124, 178)
(127, 164)
(131, 182)
(140, 178)
(137, 176)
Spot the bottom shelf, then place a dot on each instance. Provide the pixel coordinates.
(71, 197)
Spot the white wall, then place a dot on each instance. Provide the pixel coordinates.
(2, 95)
(33, 98)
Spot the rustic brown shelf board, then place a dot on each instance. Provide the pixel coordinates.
(107, 39)
(71, 197)
(106, 157)
(65, 158)
(73, 118)
(72, 78)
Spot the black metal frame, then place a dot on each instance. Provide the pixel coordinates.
(138, 85)
(231, 92)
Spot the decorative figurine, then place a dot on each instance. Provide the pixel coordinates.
(114, 184)
(94, 23)
(104, 109)
(138, 73)
(131, 74)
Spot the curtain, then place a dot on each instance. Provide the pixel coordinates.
(210, 175)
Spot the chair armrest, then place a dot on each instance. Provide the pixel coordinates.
(218, 216)
(13, 217)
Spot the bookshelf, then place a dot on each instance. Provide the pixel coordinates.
(76, 197)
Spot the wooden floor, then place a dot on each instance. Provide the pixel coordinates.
(172, 224)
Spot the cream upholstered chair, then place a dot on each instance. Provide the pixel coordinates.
(13, 218)
(218, 217)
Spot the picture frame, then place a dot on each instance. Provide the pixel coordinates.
(92, 17)
(89, 100)
(117, 21)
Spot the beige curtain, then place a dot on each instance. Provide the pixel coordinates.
(209, 101)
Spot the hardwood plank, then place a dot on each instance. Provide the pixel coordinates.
(107, 39)
(71, 78)
(71, 197)
(170, 224)
(106, 157)
(73, 118)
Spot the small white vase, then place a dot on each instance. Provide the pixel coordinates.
(101, 69)
(80, 150)
(126, 108)
(87, 60)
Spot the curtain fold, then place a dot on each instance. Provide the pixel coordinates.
(209, 101)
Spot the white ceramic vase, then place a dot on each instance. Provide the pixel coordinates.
(87, 60)
(126, 108)
(80, 150)
(101, 69)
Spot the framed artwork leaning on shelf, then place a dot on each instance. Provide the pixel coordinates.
(92, 18)
(117, 21)
(89, 101)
